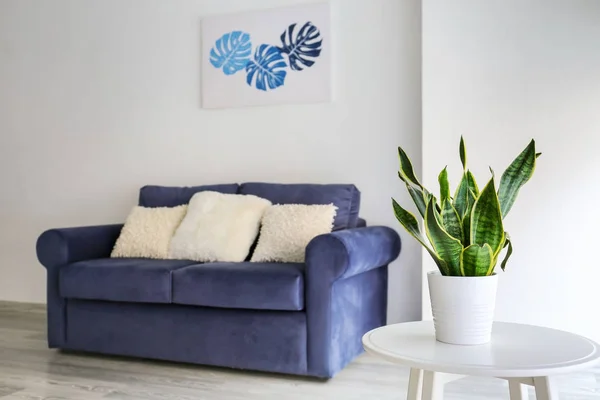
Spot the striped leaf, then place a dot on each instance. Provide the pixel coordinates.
(446, 247)
(515, 176)
(437, 211)
(451, 220)
(508, 252)
(477, 260)
(401, 177)
(461, 197)
(409, 222)
(406, 169)
(472, 183)
(417, 195)
(428, 197)
(486, 219)
(466, 221)
(444, 185)
(463, 153)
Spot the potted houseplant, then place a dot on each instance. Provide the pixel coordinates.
(465, 237)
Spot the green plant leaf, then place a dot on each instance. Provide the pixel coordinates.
(508, 252)
(406, 169)
(477, 260)
(466, 228)
(428, 197)
(418, 198)
(463, 153)
(419, 194)
(437, 211)
(409, 222)
(461, 197)
(401, 177)
(451, 220)
(444, 185)
(472, 183)
(515, 176)
(445, 246)
(472, 198)
(537, 155)
(466, 220)
(486, 219)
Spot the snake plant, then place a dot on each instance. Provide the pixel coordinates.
(465, 232)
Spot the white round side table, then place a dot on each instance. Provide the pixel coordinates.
(521, 354)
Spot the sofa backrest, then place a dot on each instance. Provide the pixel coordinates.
(171, 196)
(345, 197)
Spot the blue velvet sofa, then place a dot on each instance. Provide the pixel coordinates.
(304, 319)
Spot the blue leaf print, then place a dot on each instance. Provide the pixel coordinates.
(302, 46)
(231, 52)
(268, 68)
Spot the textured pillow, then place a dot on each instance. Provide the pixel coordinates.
(288, 228)
(148, 231)
(218, 227)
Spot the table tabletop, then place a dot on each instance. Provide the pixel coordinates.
(516, 350)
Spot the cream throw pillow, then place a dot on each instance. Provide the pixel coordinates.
(148, 231)
(287, 229)
(218, 227)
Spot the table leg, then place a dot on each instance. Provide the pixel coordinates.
(415, 384)
(545, 388)
(433, 388)
(518, 391)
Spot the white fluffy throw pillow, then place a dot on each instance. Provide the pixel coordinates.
(287, 229)
(148, 231)
(218, 227)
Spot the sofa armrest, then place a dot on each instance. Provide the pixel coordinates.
(57, 247)
(342, 254)
(346, 293)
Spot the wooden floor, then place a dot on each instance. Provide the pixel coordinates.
(30, 371)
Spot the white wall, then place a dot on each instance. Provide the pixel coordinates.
(99, 97)
(502, 72)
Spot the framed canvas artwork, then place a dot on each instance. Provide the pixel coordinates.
(277, 56)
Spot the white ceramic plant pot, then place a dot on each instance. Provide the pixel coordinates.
(463, 307)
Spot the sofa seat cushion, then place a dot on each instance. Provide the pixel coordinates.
(120, 279)
(257, 286)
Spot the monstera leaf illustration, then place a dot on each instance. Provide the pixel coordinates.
(302, 46)
(231, 52)
(267, 70)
